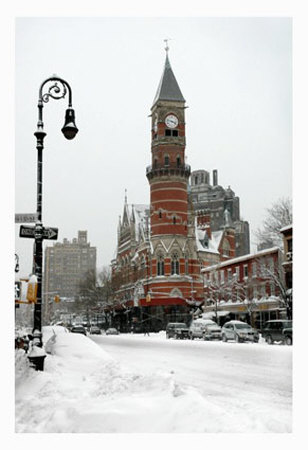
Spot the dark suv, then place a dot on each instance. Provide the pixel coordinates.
(278, 330)
(177, 329)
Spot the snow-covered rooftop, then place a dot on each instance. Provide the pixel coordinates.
(242, 258)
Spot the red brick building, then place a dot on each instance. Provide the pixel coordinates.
(162, 247)
(250, 288)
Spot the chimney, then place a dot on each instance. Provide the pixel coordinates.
(215, 178)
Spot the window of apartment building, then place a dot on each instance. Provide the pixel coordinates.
(229, 274)
(160, 265)
(245, 270)
(271, 264)
(272, 288)
(237, 272)
(254, 269)
(222, 277)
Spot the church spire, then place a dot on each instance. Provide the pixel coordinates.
(168, 88)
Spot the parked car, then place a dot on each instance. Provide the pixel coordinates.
(204, 329)
(113, 331)
(278, 330)
(178, 330)
(95, 330)
(79, 329)
(239, 331)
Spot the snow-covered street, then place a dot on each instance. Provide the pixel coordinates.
(248, 387)
(136, 384)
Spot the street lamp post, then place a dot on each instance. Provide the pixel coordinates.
(56, 88)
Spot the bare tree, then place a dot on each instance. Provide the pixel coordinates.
(275, 274)
(278, 216)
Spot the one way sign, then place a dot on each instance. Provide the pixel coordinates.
(29, 232)
(50, 233)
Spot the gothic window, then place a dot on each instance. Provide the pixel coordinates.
(159, 214)
(178, 161)
(166, 160)
(175, 265)
(174, 220)
(155, 163)
(160, 265)
(186, 265)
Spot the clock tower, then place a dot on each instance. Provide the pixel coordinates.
(168, 175)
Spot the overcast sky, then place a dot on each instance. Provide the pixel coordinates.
(236, 77)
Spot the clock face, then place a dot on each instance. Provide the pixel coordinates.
(171, 121)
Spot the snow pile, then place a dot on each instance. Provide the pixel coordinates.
(82, 389)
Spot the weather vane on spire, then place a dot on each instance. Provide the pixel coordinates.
(167, 47)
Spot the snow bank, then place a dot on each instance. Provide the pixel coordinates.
(84, 390)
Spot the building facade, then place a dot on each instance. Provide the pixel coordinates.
(162, 247)
(213, 200)
(287, 233)
(249, 288)
(66, 264)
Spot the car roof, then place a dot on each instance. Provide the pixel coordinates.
(279, 320)
(236, 321)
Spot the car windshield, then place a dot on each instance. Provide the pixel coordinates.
(212, 325)
(181, 325)
(242, 326)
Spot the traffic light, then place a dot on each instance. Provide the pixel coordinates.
(57, 299)
(32, 289)
(17, 290)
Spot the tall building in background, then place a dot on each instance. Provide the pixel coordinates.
(66, 264)
(214, 202)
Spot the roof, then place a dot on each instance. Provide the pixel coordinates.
(168, 88)
(286, 228)
(241, 258)
(213, 242)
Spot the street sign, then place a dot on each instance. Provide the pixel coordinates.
(25, 218)
(29, 232)
(50, 233)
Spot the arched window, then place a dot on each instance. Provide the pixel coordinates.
(178, 161)
(155, 163)
(160, 265)
(159, 214)
(174, 220)
(166, 160)
(175, 265)
(186, 265)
